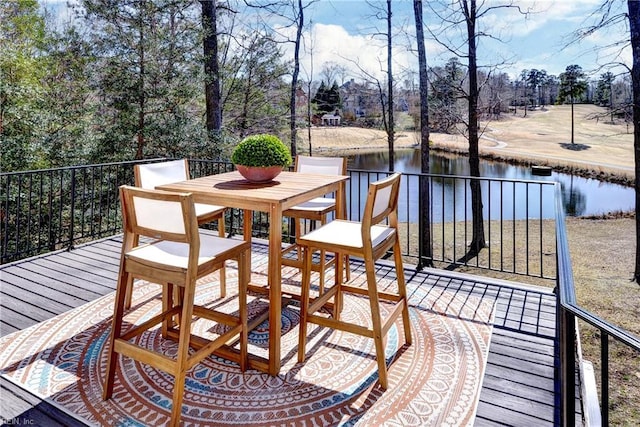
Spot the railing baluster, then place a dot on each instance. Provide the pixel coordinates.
(489, 225)
(30, 208)
(501, 226)
(72, 210)
(541, 226)
(4, 218)
(443, 220)
(604, 371)
(526, 258)
(466, 218)
(18, 210)
(83, 201)
(515, 224)
(40, 200)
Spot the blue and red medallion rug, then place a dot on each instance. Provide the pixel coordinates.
(435, 381)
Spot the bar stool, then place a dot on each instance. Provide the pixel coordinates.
(150, 175)
(370, 240)
(317, 209)
(177, 256)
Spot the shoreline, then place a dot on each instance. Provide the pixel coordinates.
(345, 141)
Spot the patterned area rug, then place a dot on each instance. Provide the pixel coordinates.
(435, 381)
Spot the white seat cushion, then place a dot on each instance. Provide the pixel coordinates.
(202, 210)
(345, 233)
(176, 254)
(318, 204)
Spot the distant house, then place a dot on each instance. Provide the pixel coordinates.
(358, 100)
(331, 119)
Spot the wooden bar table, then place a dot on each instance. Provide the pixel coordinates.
(288, 189)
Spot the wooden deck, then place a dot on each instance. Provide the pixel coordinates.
(518, 387)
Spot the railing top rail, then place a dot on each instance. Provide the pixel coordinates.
(566, 285)
(34, 171)
(364, 171)
(463, 177)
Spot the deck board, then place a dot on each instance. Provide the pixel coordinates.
(52, 283)
(518, 387)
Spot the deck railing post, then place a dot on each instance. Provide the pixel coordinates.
(567, 367)
(72, 209)
(604, 369)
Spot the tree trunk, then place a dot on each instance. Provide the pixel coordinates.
(477, 238)
(211, 67)
(390, 128)
(141, 100)
(634, 25)
(294, 78)
(243, 120)
(572, 124)
(424, 200)
(309, 109)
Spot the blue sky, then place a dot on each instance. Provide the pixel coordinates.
(340, 31)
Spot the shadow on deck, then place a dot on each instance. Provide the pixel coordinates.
(518, 386)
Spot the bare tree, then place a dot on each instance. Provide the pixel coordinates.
(606, 16)
(426, 250)
(299, 21)
(634, 27)
(293, 10)
(465, 13)
(211, 67)
(391, 123)
(309, 89)
(477, 238)
(331, 71)
(386, 101)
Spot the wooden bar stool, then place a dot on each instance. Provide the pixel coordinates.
(317, 209)
(150, 175)
(370, 240)
(178, 255)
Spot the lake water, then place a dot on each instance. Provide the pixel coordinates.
(581, 196)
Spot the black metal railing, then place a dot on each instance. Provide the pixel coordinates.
(52, 209)
(568, 313)
(519, 222)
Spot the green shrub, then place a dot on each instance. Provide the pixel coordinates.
(261, 150)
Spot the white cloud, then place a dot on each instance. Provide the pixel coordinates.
(358, 54)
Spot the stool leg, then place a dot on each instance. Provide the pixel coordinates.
(298, 222)
(223, 270)
(244, 267)
(402, 291)
(135, 239)
(377, 323)
(116, 331)
(168, 302)
(183, 352)
(338, 299)
(347, 266)
(304, 302)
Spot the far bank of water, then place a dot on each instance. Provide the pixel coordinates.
(581, 196)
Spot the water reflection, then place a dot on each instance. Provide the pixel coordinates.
(580, 196)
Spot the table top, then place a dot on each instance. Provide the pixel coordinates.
(230, 189)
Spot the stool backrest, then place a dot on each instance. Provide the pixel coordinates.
(382, 202)
(321, 165)
(150, 175)
(140, 213)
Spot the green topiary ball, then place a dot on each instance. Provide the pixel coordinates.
(261, 150)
